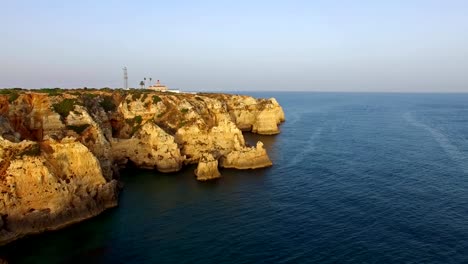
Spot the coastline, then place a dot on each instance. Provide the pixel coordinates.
(75, 141)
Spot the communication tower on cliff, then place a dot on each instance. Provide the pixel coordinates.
(125, 78)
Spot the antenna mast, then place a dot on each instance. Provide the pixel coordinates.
(125, 78)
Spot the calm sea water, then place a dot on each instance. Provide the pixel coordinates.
(357, 178)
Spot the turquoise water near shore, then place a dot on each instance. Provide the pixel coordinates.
(357, 178)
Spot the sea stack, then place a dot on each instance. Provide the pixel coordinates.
(207, 168)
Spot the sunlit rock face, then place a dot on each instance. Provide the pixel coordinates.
(268, 118)
(150, 148)
(61, 150)
(207, 168)
(247, 158)
(48, 185)
(261, 116)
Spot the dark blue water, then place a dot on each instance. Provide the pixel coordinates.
(357, 178)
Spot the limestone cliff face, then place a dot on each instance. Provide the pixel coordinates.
(48, 185)
(221, 138)
(92, 135)
(150, 148)
(60, 150)
(268, 118)
(247, 158)
(207, 168)
(261, 116)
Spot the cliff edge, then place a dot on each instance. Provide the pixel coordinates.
(61, 150)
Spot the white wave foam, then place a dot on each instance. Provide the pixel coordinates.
(452, 151)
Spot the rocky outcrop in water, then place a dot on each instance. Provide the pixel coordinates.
(207, 168)
(246, 158)
(61, 150)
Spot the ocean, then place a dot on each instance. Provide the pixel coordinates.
(357, 178)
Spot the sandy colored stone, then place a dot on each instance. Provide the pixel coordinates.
(268, 118)
(247, 158)
(60, 185)
(207, 168)
(150, 148)
(223, 138)
(261, 116)
(72, 176)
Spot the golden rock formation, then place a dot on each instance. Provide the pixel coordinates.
(61, 150)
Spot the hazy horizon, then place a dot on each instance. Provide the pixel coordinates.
(325, 46)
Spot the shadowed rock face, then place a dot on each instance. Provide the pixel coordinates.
(60, 150)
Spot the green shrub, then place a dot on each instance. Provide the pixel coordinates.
(78, 129)
(136, 96)
(184, 110)
(134, 130)
(33, 151)
(134, 123)
(51, 91)
(138, 119)
(156, 99)
(64, 107)
(13, 96)
(89, 96)
(108, 104)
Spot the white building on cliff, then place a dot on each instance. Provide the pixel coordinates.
(161, 88)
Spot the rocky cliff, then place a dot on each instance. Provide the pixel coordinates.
(61, 150)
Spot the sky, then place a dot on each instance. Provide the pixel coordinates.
(216, 45)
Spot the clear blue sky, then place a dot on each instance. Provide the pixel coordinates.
(329, 45)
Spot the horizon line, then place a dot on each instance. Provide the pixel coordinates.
(243, 91)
